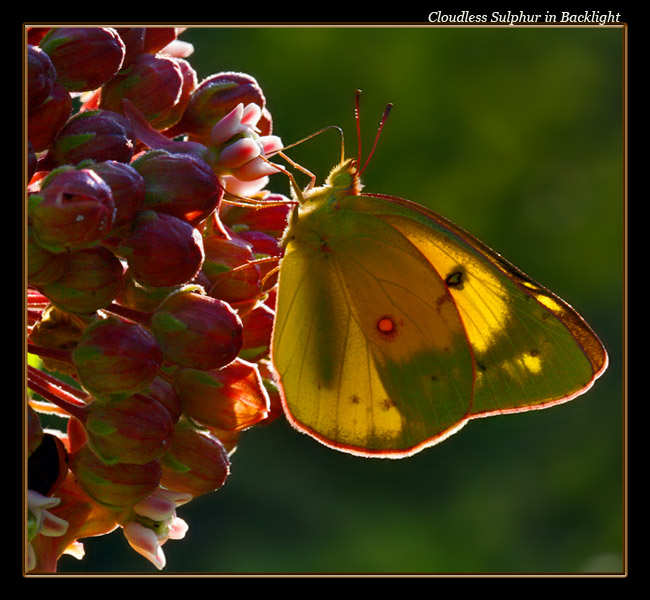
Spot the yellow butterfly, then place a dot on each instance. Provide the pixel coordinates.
(394, 326)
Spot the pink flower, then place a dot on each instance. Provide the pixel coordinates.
(41, 521)
(237, 153)
(154, 522)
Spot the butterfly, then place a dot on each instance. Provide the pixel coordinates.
(394, 327)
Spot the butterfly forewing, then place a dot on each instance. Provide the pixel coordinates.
(531, 348)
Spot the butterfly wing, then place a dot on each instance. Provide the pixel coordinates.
(370, 348)
(531, 348)
(400, 326)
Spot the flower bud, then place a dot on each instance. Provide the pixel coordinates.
(229, 265)
(84, 57)
(116, 358)
(118, 485)
(162, 250)
(92, 280)
(133, 39)
(74, 208)
(128, 189)
(163, 392)
(95, 135)
(231, 399)
(271, 219)
(181, 185)
(43, 266)
(41, 75)
(45, 120)
(197, 331)
(153, 83)
(196, 463)
(258, 326)
(141, 297)
(156, 38)
(133, 430)
(58, 330)
(213, 99)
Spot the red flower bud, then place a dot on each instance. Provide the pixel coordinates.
(133, 38)
(133, 430)
(181, 185)
(84, 57)
(45, 120)
(162, 250)
(156, 38)
(116, 358)
(128, 189)
(92, 280)
(196, 463)
(229, 265)
(197, 331)
(213, 99)
(73, 209)
(153, 83)
(41, 75)
(43, 266)
(95, 135)
(271, 219)
(258, 325)
(162, 391)
(231, 399)
(141, 297)
(118, 485)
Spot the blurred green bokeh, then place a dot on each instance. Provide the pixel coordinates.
(514, 133)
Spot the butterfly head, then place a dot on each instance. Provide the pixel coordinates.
(345, 178)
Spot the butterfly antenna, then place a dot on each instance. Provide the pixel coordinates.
(381, 126)
(357, 119)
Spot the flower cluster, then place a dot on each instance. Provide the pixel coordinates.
(152, 245)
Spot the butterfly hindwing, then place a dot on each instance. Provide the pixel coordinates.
(375, 364)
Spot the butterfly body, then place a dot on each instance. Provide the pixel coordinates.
(394, 327)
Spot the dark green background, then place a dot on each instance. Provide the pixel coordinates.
(515, 133)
